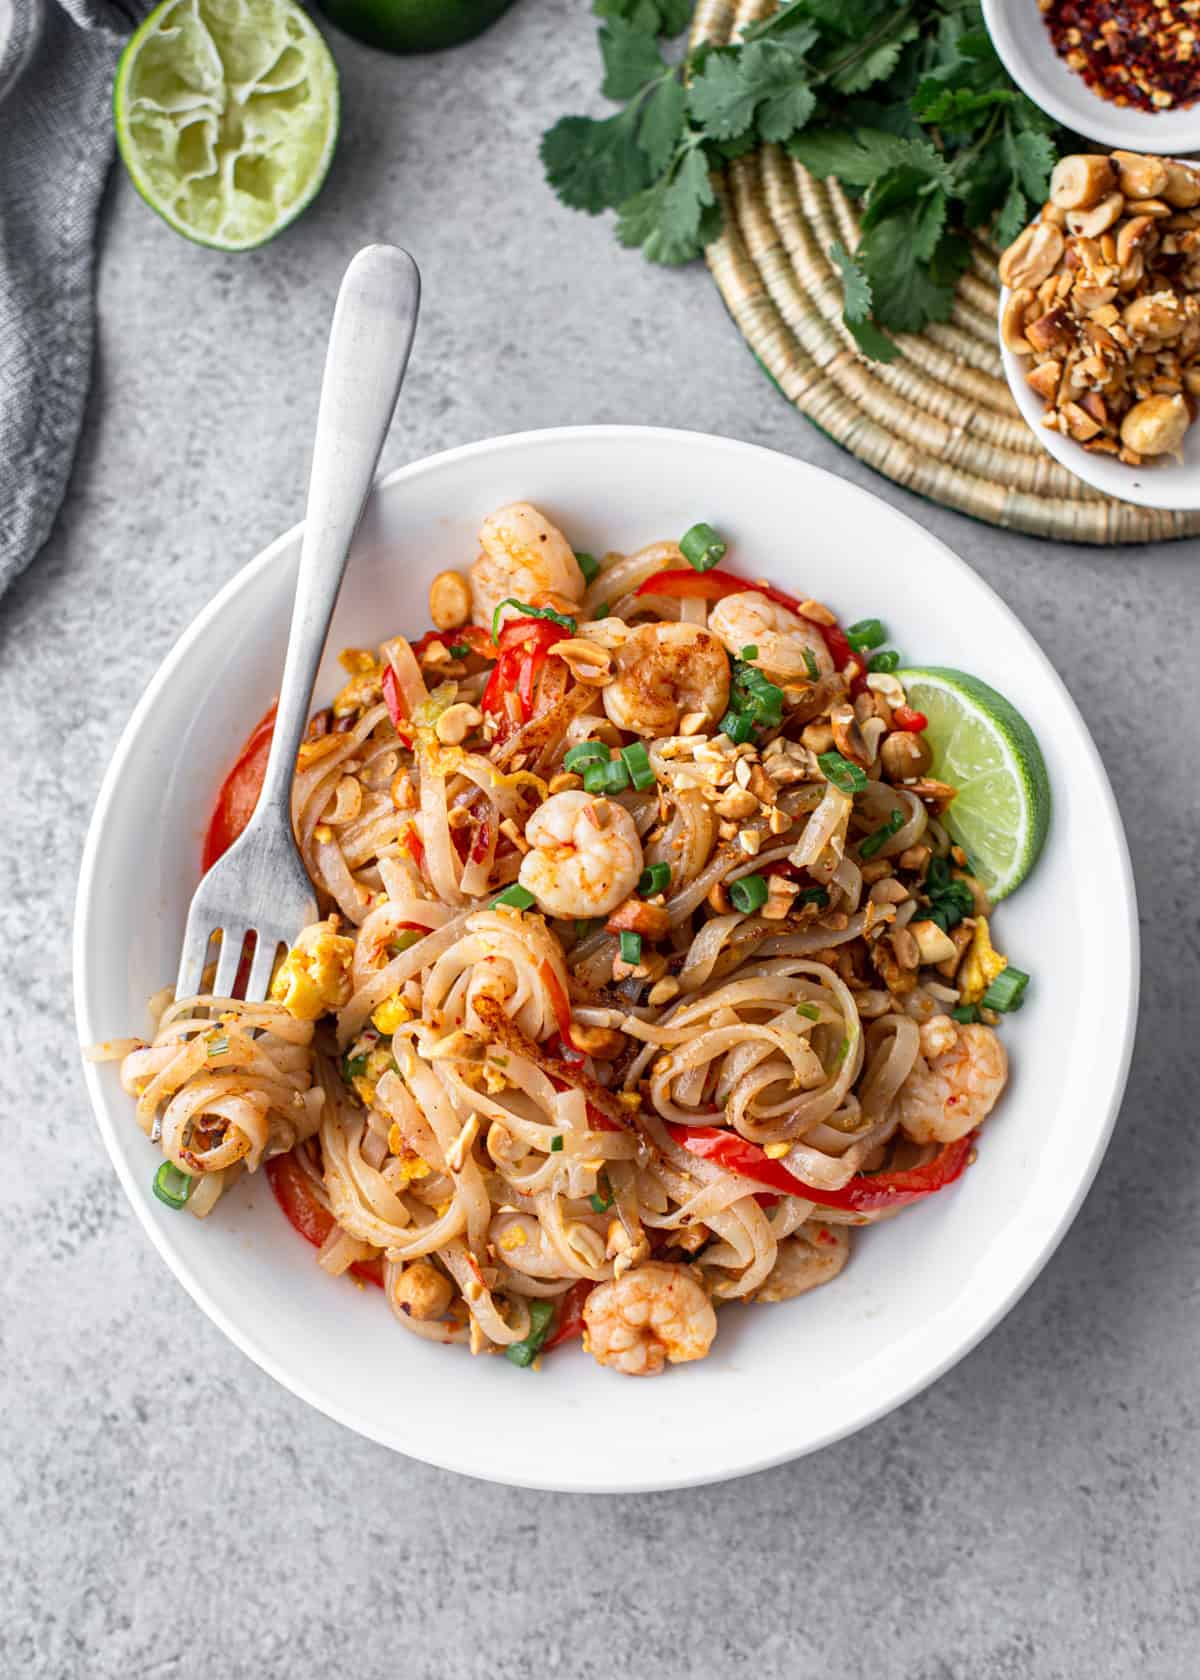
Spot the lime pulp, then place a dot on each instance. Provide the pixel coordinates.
(226, 115)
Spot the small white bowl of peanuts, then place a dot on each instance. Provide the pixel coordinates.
(1100, 325)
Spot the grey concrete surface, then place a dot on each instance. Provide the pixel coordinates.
(165, 1510)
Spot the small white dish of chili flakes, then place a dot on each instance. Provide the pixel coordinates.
(1144, 54)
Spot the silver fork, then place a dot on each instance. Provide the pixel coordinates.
(260, 887)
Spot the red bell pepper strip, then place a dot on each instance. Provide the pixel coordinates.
(394, 701)
(305, 1214)
(560, 1003)
(715, 585)
(413, 844)
(239, 792)
(523, 647)
(568, 1317)
(915, 723)
(473, 636)
(865, 1193)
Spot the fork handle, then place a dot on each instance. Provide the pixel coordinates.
(373, 325)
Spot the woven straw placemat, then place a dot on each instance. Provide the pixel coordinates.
(939, 419)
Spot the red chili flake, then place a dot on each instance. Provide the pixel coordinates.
(1132, 52)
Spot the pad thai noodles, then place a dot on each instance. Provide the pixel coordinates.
(647, 968)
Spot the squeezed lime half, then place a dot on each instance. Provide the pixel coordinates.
(227, 116)
(984, 747)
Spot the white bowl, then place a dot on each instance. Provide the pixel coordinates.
(1167, 483)
(1020, 36)
(920, 1290)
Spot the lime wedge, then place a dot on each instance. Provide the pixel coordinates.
(227, 115)
(983, 747)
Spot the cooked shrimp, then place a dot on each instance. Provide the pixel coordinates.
(782, 639)
(949, 1093)
(525, 556)
(584, 855)
(814, 1255)
(654, 1313)
(664, 671)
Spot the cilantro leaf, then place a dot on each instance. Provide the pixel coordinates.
(858, 158)
(721, 99)
(928, 223)
(956, 111)
(877, 65)
(856, 311)
(593, 165)
(904, 289)
(785, 113)
(662, 124)
(856, 288)
(1032, 158)
(1014, 213)
(670, 220)
(631, 59)
(652, 17)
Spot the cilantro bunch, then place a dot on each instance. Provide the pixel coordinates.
(904, 101)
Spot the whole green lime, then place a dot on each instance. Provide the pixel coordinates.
(413, 26)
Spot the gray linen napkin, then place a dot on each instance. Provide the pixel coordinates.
(56, 72)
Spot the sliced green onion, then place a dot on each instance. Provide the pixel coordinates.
(584, 926)
(739, 726)
(844, 775)
(588, 565)
(965, 1014)
(809, 1011)
(556, 1144)
(354, 1067)
(631, 947)
(403, 941)
(541, 1315)
(701, 547)
(600, 1204)
(843, 1047)
(887, 661)
(749, 894)
(519, 897)
(459, 650)
(586, 752)
(810, 665)
(655, 878)
(216, 1045)
(867, 633)
(637, 762)
(750, 652)
(609, 777)
(1007, 990)
(868, 847)
(567, 624)
(172, 1186)
(602, 611)
(813, 895)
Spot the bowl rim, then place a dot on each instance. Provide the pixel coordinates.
(1087, 115)
(245, 1338)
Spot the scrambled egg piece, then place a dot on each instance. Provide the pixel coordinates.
(378, 1063)
(414, 1167)
(363, 689)
(314, 979)
(392, 1013)
(514, 1237)
(981, 964)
